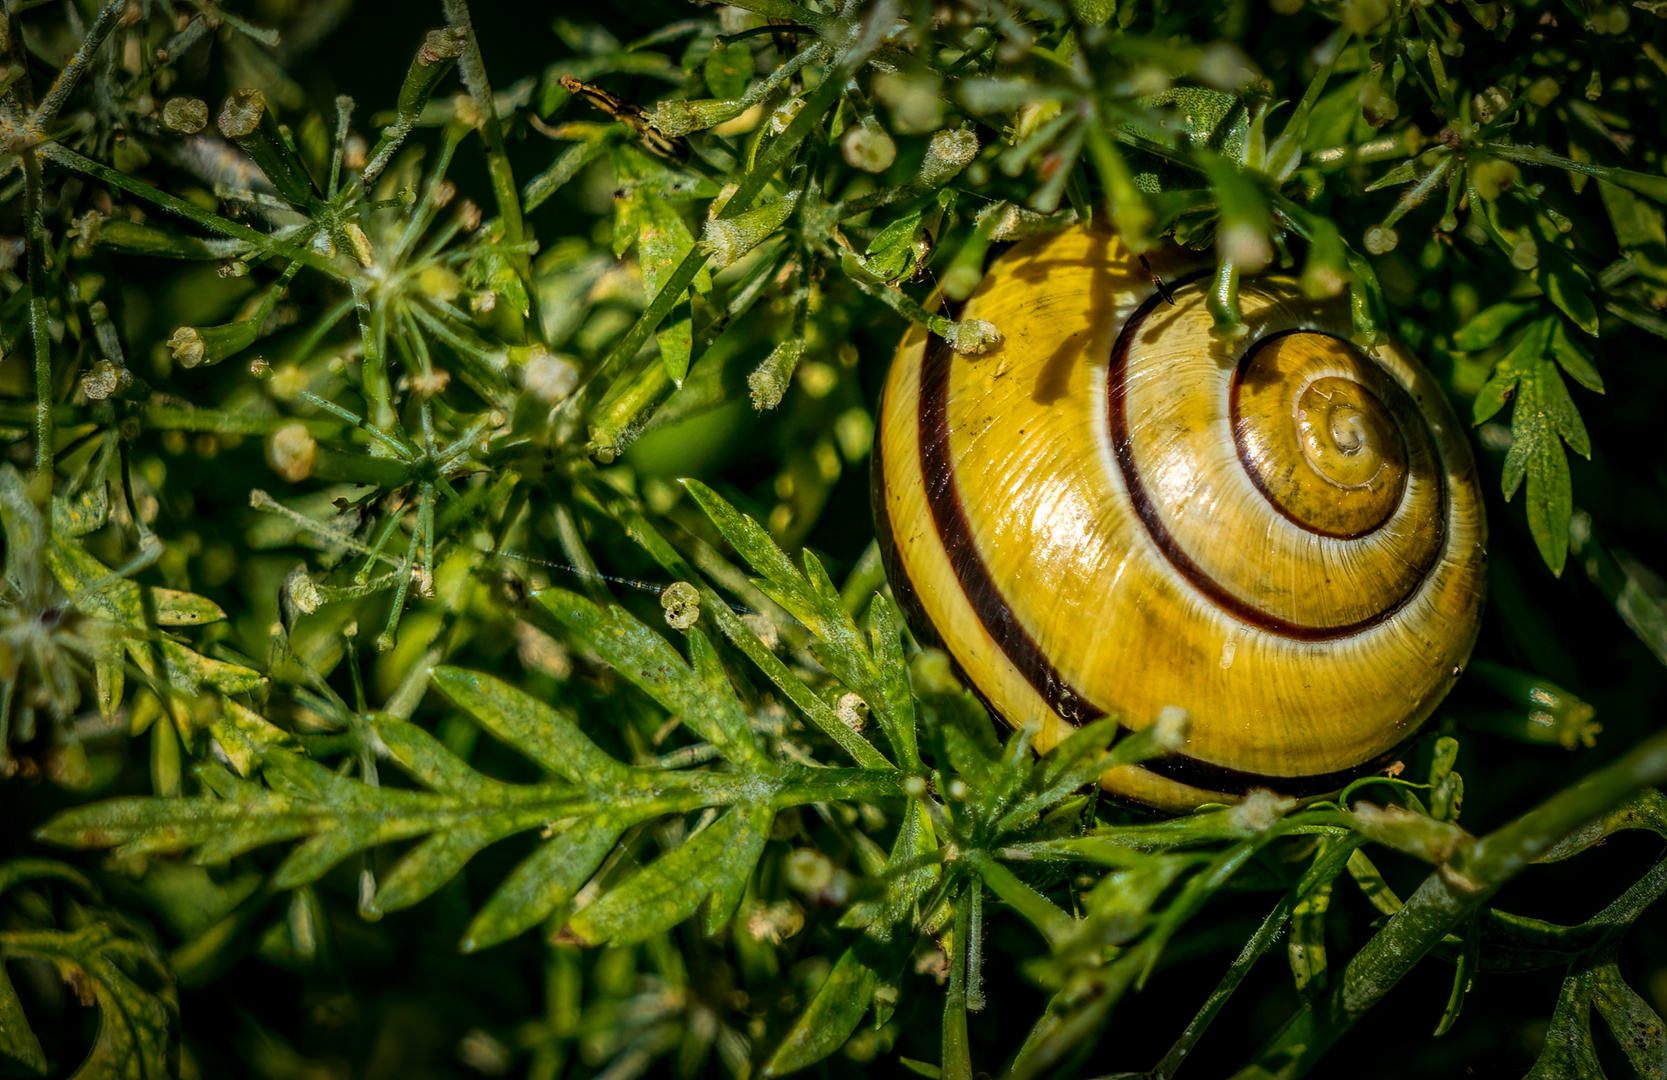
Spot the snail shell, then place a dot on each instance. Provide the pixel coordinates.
(1116, 513)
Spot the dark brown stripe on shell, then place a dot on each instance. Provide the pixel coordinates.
(1249, 462)
(1202, 774)
(1141, 499)
(902, 586)
(949, 517)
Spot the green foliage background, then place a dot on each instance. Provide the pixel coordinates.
(342, 733)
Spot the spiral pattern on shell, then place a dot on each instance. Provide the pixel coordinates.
(1116, 513)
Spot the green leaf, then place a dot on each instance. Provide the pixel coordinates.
(1636, 1026)
(834, 1013)
(735, 867)
(897, 708)
(18, 1046)
(880, 676)
(891, 255)
(644, 216)
(916, 875)
(569, 164)
(426, 759)
(1543, 418)
(701, 696)
(753, 543)
(245, 736)
(1568, 1051)
(138, 1009)
(537, 730)
(1575, 359)
(728, 70)
(1568, 286)
(108, 596)
(1307, 943)
(1489, 325)
(435, 861)
(672, 887)
(543, 882)
(194, 671)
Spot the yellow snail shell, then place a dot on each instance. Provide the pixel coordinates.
(1116, 513)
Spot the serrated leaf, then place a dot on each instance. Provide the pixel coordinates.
(890, 255)
(318, 855)
(702, 696)
(834, 1013)
(642, 216)
(537, 730)
(122, 601)
(915, 839)
(196, 671)
(897, 708)
(543, 882)
(743, 528)
(1489, 324)
(1575, 359)
(436, 860)
(245, 736)
(138, 1009)
(425, 758)
(672, 887)
(1542, 419)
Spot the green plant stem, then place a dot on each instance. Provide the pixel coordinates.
(1654, 187)
(957, 1060)
(76, 65)
(196, 214)
(167, 418)
(1454, 892)
(39, 331)
(1046, 916)
(473, 69)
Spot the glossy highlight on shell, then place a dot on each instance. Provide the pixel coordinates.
(1116, 513)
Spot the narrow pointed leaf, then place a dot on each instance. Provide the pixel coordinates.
(748, 538)
(702, 698)
(436, 861)
(739, 858)
(834, 1013)
(1489, 324)
(543, 882)
(543, 734)
(664, 893)
(426, 759)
